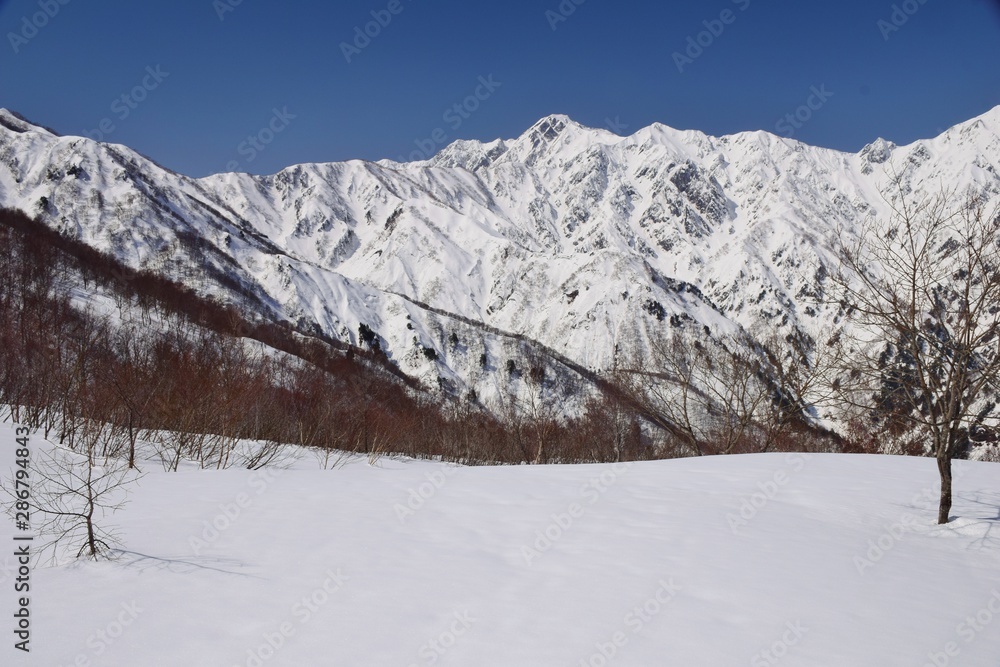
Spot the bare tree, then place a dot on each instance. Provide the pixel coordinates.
(664, 386)
(922, 290)
(135, 383)
(738, 396)
(611, 420)
(541, 411)
(609, 430)
(515, 443)
(73, 494)
(799, 371)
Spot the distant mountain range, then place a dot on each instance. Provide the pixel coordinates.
(567, 243)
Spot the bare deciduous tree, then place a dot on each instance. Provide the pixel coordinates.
(665, 387)
(922, 290)
(73, 493)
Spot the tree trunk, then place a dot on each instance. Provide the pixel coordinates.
(944, 467)
(132, 435)
(540, 452)
(91, 546)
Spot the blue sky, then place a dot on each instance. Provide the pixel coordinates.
(201, 77)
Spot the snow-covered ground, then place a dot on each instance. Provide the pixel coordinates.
(825, 560)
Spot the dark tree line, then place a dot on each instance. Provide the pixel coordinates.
(155, 362)
(135, 358)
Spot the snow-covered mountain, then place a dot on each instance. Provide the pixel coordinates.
(566, 242)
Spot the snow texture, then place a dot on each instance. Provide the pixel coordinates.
(802, 561)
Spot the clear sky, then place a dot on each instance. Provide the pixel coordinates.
(199, 77)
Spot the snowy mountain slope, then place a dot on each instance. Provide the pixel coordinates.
(745, 560)
(570, 237)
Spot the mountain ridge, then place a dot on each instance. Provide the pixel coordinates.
(574, 238)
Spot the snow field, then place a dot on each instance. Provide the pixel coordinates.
(792, 560)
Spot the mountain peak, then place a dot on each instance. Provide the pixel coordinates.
(993, 115)
(555, 119)
(550, 128)
(878, 152)
(13, 121)
(570, 238)
(989, 121)
(558, 132)
(17, 123)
